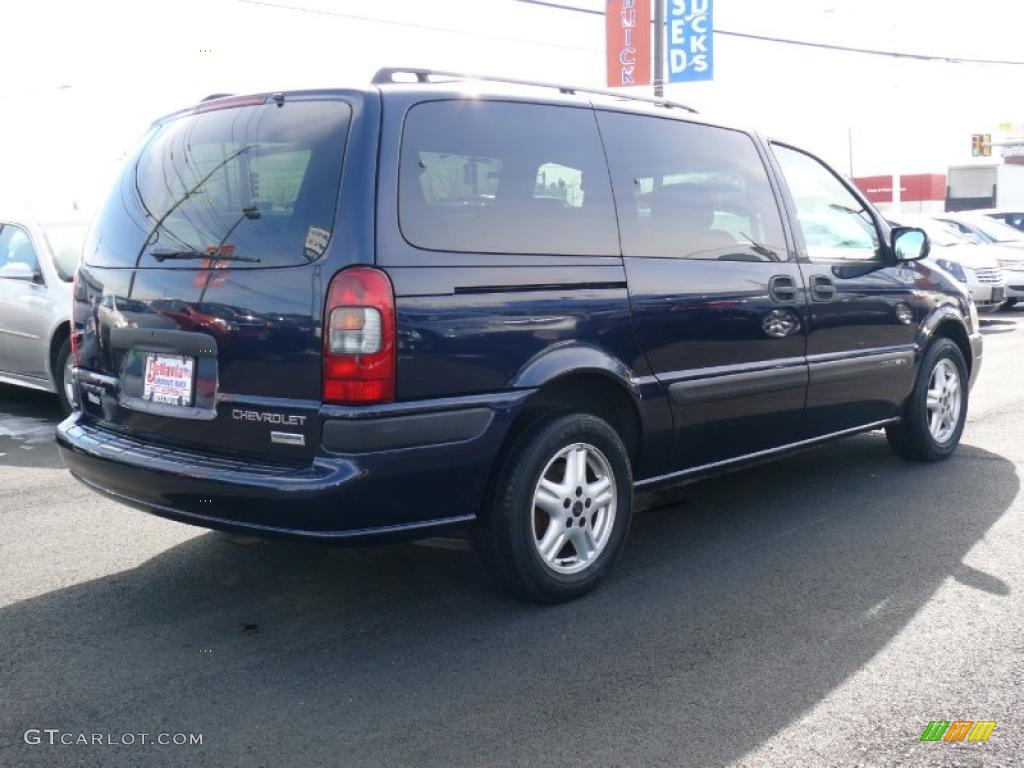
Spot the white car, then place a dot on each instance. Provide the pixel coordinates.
(976, 266)
(1014, 217)
(985, 227)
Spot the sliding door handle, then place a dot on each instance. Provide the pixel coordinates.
(782, 289)
(822, 288)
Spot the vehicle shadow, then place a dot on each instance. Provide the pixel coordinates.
(28, 419)
(730, 614)
(991, 325)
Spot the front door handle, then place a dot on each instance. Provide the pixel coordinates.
(822, 288)
(782, 288)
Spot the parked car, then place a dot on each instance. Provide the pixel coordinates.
(983, 229)
(37, 264)
(979, 267)
(1014, 219)
(518, 366)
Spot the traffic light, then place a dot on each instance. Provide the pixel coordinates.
(986, 145)
(981, 145)
(975, 145)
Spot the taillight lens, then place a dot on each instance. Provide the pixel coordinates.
(359, 338)
(73, 332)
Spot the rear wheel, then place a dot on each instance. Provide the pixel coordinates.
(934, 417)
(62, 377)
(560, 510)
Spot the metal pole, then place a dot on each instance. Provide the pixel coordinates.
(849, 137)
(659, 48)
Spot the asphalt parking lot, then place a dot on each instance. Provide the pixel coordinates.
(817, 611)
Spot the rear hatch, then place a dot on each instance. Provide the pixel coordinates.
(199, 301)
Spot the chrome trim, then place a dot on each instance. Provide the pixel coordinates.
(763, 454)
(19, 334)
(43, 385)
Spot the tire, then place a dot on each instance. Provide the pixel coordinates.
(516, 522)
(59, 375)
(914, 438)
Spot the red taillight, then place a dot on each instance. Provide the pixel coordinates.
(359, 338)
(75, 361)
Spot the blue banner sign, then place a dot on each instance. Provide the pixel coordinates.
(690, 40)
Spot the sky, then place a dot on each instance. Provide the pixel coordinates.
(83, 80)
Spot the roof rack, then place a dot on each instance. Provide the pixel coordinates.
(387, 75)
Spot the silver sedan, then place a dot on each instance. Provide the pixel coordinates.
(37, 265)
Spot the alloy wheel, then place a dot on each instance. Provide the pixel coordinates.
(943, 400)
(574, 508)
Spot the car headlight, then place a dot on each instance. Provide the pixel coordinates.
(1015, 264)
(953, 268)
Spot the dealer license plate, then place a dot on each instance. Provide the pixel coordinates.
(169, 379)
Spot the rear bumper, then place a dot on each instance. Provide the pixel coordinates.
(407, 484)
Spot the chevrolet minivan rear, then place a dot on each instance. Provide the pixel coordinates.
(215, 237)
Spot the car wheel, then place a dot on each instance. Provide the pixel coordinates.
(934, 417)
(560, 510)
(62, 379)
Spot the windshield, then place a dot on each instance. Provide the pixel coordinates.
(256, 186)
(65, 242)
(939, 233)
(943, 234)
(996, 231)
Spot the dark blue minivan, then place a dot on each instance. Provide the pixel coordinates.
(439, 300)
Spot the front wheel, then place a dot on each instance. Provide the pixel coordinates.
(560, 510)
(934, 417)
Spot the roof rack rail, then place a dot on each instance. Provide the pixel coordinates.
(387, 75)
(213, 96)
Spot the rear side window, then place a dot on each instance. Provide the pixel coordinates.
(691, 191)
(253, 186)
(500, 177)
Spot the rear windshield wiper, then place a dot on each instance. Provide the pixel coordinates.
(165, 254)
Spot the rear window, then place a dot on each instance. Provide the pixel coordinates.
(66, 245)
(501, 177)
(253, 186)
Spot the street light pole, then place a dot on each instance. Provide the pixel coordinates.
(659, 47)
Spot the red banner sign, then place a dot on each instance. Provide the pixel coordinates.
(628, 42)
(914, 187)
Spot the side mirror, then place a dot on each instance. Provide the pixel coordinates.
(910, 243)
(19, 270)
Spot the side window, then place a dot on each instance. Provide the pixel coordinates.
(690, 191)
(502, 177)
(16, 250)
(835, 225)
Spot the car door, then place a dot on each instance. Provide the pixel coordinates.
(715, 290)
(864, 309)
(24, 305)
